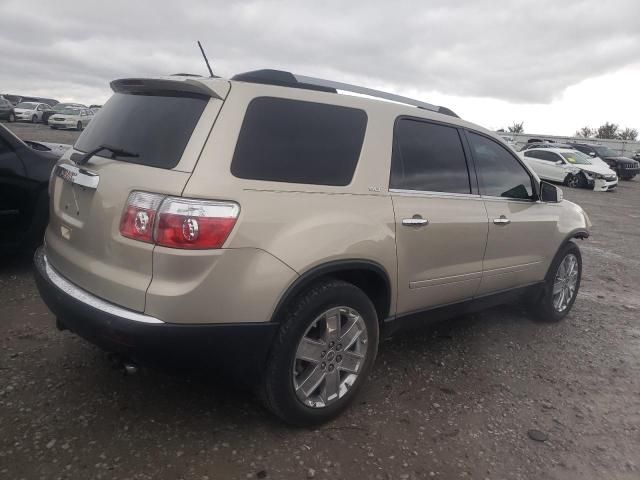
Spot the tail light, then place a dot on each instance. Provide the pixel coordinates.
(139, 216)
(195, 224)
(178, 222)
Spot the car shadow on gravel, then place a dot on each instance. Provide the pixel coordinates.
(204, 400)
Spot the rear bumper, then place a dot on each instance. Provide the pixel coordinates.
(236, 349)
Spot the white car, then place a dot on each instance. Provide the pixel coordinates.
(30, 111)
(571, 167)
(77, 118)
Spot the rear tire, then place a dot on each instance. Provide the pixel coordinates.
(561, 285)
(311, 377)
(12, 117)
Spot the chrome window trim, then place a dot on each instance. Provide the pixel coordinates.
(88, 299)
(507, 199)
(429, 193)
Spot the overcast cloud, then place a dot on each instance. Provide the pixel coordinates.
(519, 58)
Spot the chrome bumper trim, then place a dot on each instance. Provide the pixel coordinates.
(42, 263)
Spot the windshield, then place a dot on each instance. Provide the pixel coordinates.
(154, 127)
(27, 105)
(606, 152)
(576, 157)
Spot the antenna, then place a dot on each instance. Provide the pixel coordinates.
(205, 59)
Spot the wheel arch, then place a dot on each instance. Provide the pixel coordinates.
(369, 276)
(577, 233)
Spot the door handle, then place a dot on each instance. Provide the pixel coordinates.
(502, 220)
(415, 221)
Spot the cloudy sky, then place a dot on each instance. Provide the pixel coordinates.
(556, 65)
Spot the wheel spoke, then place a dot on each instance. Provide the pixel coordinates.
(351, 334)
(573, 279)
(351, 362)
(312, 381)
(560, 299)
(572, 265)
(331, 388)
(332, 331)
(557, 288)
(568, 295)
(562, 269)
(310, 350)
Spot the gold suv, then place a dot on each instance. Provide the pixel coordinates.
(275, 227)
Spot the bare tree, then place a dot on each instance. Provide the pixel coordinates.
(516, 127)
(628, 134)
(608, 130)
(585, 132)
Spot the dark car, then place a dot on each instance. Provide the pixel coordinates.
(530, 145)
(59, 107)
(24, 200)
(6, 110)
(625, 167)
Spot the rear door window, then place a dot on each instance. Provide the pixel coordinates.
(284, 140)
(428, 157)
(548, 156)
(156, 128)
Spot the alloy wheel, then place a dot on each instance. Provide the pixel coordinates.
(565, 282)
(330, 357)
(573, 181)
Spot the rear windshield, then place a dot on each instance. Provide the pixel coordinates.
(154, 127)
(293, 141)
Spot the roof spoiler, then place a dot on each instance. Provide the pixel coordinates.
(147, 85)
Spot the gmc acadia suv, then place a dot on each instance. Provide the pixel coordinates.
(276, 228)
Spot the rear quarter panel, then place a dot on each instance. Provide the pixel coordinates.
(302, 225)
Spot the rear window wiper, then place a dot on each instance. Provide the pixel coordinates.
(115, 151)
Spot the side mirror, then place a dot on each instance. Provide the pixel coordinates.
(559, 163)
(550, 193)
(592, 154)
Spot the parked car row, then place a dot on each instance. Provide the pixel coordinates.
(579, 165)
(67, 115)
(569, 167)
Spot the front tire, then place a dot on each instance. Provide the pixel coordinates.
(34, 119)
(12, 117)
(79, 126)
(561, 285)
(576, 180)
(325, 349)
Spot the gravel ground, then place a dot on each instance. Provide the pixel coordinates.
(453, 401)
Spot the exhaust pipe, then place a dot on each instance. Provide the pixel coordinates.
(124, 364)
(130, 368)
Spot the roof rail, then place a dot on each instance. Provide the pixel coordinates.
(288, 79)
